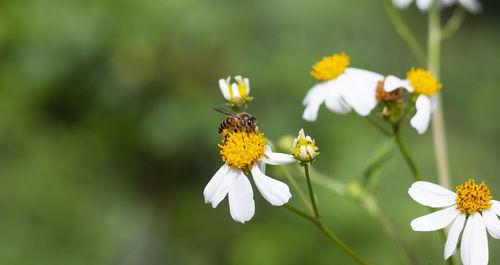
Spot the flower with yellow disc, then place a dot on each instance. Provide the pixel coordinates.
(235, 93)
(243, 151)
(341, 88)
(423, 86)
(471, 205)
(304, 147)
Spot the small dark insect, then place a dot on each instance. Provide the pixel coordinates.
(240, 121)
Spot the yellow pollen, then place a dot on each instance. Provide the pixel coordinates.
(423, 82)
(304, 142)
(473, 198)
(330, 67)
(243, 149)
(243, 91)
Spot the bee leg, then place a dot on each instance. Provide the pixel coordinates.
(225, 134)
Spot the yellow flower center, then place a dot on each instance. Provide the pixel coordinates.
(243, 149)
(243, 90)
(473, 198)
(330, 67)
(423, 82)
(304, 142)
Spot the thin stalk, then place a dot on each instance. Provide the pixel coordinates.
(328, 233)
(438, 124)
(406, 155)
(311, 192)
(297, 189)
(379, 127)
(372, 207)
(454, 22)
(404, 32)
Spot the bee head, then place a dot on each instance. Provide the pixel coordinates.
(250, 121)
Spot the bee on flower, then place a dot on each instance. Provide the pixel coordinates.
(471, 205)
(244, 153)
(341, 88)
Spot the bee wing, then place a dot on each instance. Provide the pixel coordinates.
(224, 111)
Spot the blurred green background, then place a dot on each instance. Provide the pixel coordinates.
(108, 137)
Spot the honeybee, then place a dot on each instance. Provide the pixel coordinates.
(240, 121)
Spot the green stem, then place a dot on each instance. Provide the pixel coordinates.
(438, 125)
(404, 32)
(379, 127)
(372, 207)
(454, 22)
(328, 233)
(297, 189)
(405, 154)
(311, 193)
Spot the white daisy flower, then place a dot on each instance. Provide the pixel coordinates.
(244, 150)
(471, 206)
(472, 6)
(235, 92)
(340, 88)
(423, 86)
(304, 147)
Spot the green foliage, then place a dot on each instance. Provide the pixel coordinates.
(107, 134)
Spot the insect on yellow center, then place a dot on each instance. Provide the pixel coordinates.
(243, 149)
(423, 82)
(330, 67)
(473, 198)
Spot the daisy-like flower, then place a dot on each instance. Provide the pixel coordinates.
(304, 147)
(423, 86)
(236, 93)
(472, 6)
(340, 88)
(242, 151)
(471, 206)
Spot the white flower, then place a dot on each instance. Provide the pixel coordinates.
(423, 85)
(340, 88)
(244, 150)
(304, 147)
(235, 92)
(470, 205)
(472, 6)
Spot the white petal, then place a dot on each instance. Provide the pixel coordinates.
(359, 89)
(277, 158)
(392, 83)
(474, 248)
(236, 91)
(303, 153)
(492, 223)
(247, 85)
(401, 3)
(424, 4)
(451, 242)
(274, 191)
(224, 88)
(432, 195)
(314, 98)
(436, 220)
(333, 96)
(421, 119)
(496, 206)
(311, 151)
(472, 6)
(241, 204)
(219, 185)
